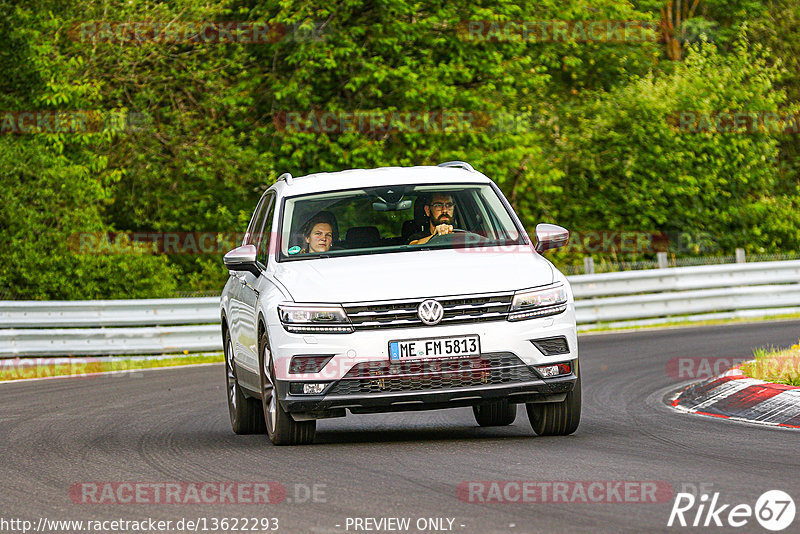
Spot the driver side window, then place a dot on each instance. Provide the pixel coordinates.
(263, 246)
(256, 222)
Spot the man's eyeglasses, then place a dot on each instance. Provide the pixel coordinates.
(440, 205)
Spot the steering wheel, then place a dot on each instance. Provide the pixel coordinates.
(465, 237)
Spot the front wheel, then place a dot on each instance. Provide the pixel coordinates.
(281, 428)
(557, 418)
(245, 412)
(497, 413)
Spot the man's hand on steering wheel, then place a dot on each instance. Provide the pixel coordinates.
(443, 229)
(448, 234)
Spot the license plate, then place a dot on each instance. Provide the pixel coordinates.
(439, 347)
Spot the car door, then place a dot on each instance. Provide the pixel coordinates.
(249, 293)
(237, 328)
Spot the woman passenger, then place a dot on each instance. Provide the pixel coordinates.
(318, 233)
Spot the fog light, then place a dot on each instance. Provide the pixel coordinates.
(314, 389)
(558, 369)
(307, 388)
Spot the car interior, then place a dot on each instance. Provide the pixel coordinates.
(369, 221)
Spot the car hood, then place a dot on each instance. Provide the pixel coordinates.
(412, 275)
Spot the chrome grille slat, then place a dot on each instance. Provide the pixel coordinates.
(384, 312)
(396, 322)
(485, 316)
(474, 306)
(394, 314)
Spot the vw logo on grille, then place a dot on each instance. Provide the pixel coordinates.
(430, 312)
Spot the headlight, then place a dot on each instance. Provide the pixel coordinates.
(320, 319)
(538, 303)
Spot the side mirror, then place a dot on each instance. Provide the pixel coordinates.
(242, 259)
(550, 236)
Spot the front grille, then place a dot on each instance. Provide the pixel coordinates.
(552, 345)
(457, 310)
(427, 375)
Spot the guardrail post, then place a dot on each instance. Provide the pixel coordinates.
(740, 256)
(588, 265)
(662, 260)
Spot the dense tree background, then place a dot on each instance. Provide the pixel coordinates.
(589, 140)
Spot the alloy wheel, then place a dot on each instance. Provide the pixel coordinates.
(268, 390)
(230, 374)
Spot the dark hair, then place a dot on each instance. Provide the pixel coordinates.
(318, 218)
(430, 196)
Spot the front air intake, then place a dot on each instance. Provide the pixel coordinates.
(550, 346)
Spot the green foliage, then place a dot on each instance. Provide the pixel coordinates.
(777, 30)
(633, 165)
(50, 201)
(575, 133)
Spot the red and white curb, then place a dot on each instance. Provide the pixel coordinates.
(732, 395)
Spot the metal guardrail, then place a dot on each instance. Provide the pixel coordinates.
(98, 341)
(159, 326)
(145, 312)
(686, 303)
(685, 278)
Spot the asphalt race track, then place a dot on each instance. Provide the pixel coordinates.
(172, 426)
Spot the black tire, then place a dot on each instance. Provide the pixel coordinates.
(245, 412)
(557, 418)
(281, 428)
(498, 413)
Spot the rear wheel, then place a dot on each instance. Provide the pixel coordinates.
(281, 428)
(245, 412)
(557, 418)
(497, 413)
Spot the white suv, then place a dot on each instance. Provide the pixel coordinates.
(395, 289)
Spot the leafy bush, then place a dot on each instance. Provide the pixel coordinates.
(629, 162)
(578, 133)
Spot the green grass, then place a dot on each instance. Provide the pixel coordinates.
(18, 369)
(780, 366)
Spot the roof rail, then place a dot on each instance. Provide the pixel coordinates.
(286, 176)
(459, 164)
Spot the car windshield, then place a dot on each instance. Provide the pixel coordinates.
(390, 218)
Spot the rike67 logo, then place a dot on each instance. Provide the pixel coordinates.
(774, 510)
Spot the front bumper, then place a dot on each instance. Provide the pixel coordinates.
(372, 391)
(348, 350)
(362, 378)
